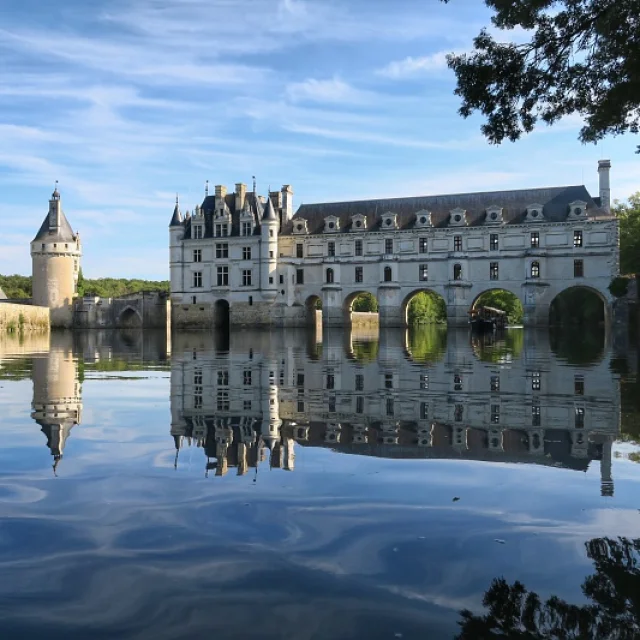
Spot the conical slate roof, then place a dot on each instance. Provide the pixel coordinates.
(269, 211)
(176, 219)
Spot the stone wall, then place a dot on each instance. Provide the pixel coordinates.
(148, 310)
(14, 317)
(192, 317)
(363, 319)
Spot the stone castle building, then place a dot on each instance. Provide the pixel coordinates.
(55, 254)
(246, 259)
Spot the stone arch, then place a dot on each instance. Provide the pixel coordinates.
(313, 305)
(130, 318)
(408, 298)
(555, 311)
(506, 289)
(347, 308)
(222, 312)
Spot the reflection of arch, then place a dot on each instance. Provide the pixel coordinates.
(407, 301)
(221, 315)
(515, 441)
(313, 306)
(130, 318)
(569, 308)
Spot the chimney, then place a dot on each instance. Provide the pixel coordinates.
(287, 202)
(605, 188)
(241, 192)
(221, 192)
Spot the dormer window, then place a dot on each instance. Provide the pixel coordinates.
(299, 226)
(331, 224)
(535, 213)
(423, 218)
(458, 218)
(494, 215)
(577, 210)
(389, 221)
(198, 232)
(358, 222)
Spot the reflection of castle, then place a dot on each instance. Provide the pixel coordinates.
(522, 406)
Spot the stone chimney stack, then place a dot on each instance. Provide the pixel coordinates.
(221, 193)
(604, 167)
(241, 192)
(287, 203)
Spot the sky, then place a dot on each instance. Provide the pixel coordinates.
(127, 103)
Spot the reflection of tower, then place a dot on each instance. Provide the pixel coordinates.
(606, 481)
(271, 422)
(56, 404)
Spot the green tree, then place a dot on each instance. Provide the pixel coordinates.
(505, 301)
(427, 308)
(365, 302)
(81, 283)
(628, 214)
(581, 56)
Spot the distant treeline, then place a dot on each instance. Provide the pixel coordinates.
(20, 286)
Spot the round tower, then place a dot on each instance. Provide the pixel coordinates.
(269, 252)
(55, 255)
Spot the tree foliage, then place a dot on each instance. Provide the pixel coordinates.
(580, 57)
(504, 300)
(613, 611)
(365, 302)
(628, 214)
(427, 308)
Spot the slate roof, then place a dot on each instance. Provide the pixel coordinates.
(64, 234)
(269, 211)
(176, 219)
(555, 202)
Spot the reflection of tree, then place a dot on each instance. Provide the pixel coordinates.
(365, 351)
(489, 349)
(577, 347)
(613, 613)
(427, 344)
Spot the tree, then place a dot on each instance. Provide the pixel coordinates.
(427, 308)
(80, 289)
(581, 57)
(628, 214)
(504, 300)
(365, 302)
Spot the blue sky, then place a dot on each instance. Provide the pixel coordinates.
(128, 102)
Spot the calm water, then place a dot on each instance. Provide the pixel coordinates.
(287, 485)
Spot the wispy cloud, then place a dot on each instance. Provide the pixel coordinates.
(411, 67)
(334, 90)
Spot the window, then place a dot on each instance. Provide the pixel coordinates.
(223, 276)
(388, 380)
(270, 279)
(422, 245)
(197, 279)
(493, 242)
(577, 238)
(424, 411)
(246, 229)
(271, 254)
(246, 405)
(535, 415)
(495, 383)
(578, 385)
(43, 247)
(223, 378)
(388, 246)
(358, 247)
(457, 382)
(197, 399)
(331, 381)
(221, 230)
(457, 243)
(535, 269)
(246, 277)
(359, 382)
(246, 253)
(331, 249)
(424, 382)
(197, 255)
(579, 417)
(222, 250)
(281, 279)
(457, 272)
(197, 232)
(535, 239)
(271, 233)
(535, 381)
(423, 271)
(250, 301)
(299, 251)
(359, 274)
(332, 404)
(359, 404)
(329, 275)
(458, 412)
(387, 274)
(299, 276)
(197, 377)
(493, 271)
(578, 268)
(495, 414)
(246, 377)
(390, 407)
(223, 401)
(194, 300)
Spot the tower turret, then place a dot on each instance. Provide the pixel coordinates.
(55, 255)
(176, 233)
(269, 252)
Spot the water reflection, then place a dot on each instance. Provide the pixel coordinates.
(425, 394)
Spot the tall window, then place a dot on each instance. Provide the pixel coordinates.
(388, 380)
(535, 415)
(495, 413)
(246, 229)
(299, 276)
(197, 255)
(424, 381)
(223, 378)
(387, 274)
(246, 277)
(493, 271)
(222, 401)
(299, 251)
(535, 239)
(331, 249)
(424, 411)
(495, 383)
(535, 269)
(578, 268)
(331, 381)
(360, 404)
(535, 381)
(222, 250)
(493, 242)
(388, 246)
(422, 245)
(577, 238)
(359, 274)
(358, 247)
(457, 272)
(197, 278)
(329, 277)
(197, 231)
(578, 385)
(423, 271)
(390, 407)
(223, 276)
(359, 382)
(246, 377)
(457, 382)
(579, 417)
(222, 230)
(458, 413)
(457, 243)
(246, 253)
